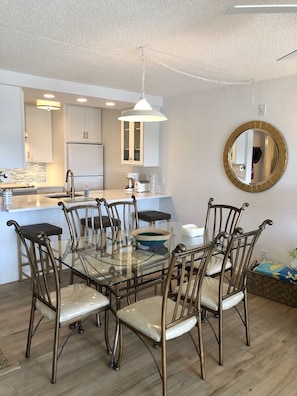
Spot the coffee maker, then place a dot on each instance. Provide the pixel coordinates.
(131, 176)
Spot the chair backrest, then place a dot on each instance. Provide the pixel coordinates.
(44, 270)
(222, 218)
(240, 249)
(84, 220)
(123, 217)
(183, 283)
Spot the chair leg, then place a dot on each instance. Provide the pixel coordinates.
(164, 369)
(220, 338)
(30, 330)
(246, 320)
(55, 353)
(201, 348)
(118, 343)
(106, 333)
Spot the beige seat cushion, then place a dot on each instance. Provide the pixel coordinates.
(215, 265)
(77, 300)
(145, 316)
(210, 294)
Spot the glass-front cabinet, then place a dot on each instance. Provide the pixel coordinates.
(132, 142)
(140, 143)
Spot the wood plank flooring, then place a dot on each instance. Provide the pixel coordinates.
(267, 367)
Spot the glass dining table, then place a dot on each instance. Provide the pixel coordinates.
(121, 267)
(121, 270)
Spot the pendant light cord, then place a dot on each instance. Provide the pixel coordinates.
(198, 77)
(143, 71)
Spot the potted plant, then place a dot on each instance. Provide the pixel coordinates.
(293, 254)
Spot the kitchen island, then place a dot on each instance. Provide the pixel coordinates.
(39, 208)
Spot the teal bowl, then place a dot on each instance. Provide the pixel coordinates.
(151, 237)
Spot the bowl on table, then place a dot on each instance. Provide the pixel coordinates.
(151, 237)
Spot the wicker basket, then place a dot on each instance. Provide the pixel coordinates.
(274, 289)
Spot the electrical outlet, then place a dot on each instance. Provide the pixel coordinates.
(262, 109)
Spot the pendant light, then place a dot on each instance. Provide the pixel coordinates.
(47, 105)
(142, 111)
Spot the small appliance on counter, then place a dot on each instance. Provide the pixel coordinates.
(132, 178)
(142, 186)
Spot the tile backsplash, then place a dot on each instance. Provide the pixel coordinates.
(31, 174)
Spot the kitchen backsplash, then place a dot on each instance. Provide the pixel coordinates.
(31, 174)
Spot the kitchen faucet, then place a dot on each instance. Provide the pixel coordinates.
(72, 190)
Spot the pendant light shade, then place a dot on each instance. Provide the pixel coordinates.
(47, 105)
(142, 111)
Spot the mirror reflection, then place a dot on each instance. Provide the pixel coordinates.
(255, 156)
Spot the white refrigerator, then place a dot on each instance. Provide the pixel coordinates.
(86, 162)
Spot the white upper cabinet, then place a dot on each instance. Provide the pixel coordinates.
(140, 143)
(12, 131)
(83, 124)
(38, 135)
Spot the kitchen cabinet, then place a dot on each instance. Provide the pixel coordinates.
(140, 143)
(83, 124)
(12, 131)
(38, 135)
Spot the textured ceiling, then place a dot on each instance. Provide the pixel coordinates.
(97, 42)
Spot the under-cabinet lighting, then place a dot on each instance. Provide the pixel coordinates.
(47, 105)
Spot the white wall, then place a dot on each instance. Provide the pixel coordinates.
(193, 140)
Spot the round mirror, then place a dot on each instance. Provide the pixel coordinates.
(255, 156)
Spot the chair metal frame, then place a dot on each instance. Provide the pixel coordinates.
(221, 218)
(229, 289)
(85, 220)
(175, 313)
(123, 217)
(51, 300)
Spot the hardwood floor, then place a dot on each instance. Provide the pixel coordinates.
(267, 367)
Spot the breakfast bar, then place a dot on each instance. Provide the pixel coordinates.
(40, 208)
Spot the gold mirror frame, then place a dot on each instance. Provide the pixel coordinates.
(281, 163)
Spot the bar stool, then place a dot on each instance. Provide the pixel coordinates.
(30, 232)
(151, 216)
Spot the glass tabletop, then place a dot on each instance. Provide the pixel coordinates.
(118, 263)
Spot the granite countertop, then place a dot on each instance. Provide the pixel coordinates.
(42, 201)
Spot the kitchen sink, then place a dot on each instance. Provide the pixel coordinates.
(63, 195)
(80, 198)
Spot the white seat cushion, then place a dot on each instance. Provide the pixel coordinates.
(145, 316)
(210, 293)
(77, 300)
(215, 265)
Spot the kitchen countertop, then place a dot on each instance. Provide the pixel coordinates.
(42, 201)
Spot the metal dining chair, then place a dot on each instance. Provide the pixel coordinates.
(123, 218)
(85, 220)
(162, 318)
(70, 305)
(221, 218)
(226, 291)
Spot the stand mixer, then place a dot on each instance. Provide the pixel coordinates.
(131, 176)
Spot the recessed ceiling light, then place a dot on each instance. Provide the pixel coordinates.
(262, 8)
(49, 96)
(81, 100)
(109, 104)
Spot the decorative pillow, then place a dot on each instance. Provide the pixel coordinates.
(276, 270)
